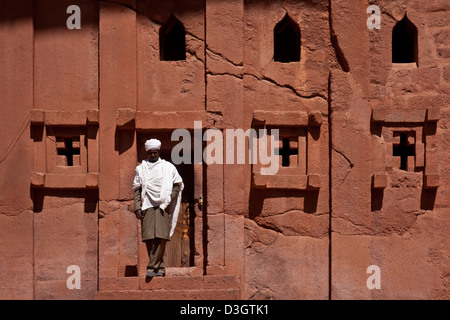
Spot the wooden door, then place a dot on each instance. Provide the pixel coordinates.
(177, 252)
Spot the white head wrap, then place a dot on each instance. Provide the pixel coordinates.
(152, 144)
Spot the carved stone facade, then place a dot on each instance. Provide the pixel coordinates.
(363, 153)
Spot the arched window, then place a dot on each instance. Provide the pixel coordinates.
(404, 42)
(172, 40)
(286, 41)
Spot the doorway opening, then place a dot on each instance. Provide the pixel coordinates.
(180, 250)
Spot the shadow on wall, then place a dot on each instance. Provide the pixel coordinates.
(427, 199)
(123, 140)
(258, 196)
(428, 196)
(51, 14)
(90, 196)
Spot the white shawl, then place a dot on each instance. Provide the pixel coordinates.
(156, 180)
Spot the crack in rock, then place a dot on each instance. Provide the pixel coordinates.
(223, 57)
(286, 86)
(344, 156)
(339, 54)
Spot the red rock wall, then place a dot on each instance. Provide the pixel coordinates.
(399, 225)
(16, 93)
(286, 231)
(308, 232)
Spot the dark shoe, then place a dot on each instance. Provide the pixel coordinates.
(150, 274)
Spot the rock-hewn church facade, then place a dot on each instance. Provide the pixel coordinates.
(358, 207)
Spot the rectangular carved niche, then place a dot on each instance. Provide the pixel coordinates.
(296, 131)
(409, 138)
(65, 149)
(404, 149)
(406, 159)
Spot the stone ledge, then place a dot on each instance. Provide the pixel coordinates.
(379, 181)
(128, 118)
(64, 181)
(207, 294)
(184, 271)
(170, 283)
(380, 115)
(431, 181)
(283, 181)
(64, 118)
(287, 118)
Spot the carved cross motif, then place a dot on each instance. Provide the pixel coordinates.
(69, 150)
(403, 150)
(289, 147)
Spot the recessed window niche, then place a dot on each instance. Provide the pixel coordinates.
(172, 40)
(404, 42)
(286, 41)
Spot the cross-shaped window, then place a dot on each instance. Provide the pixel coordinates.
(69, 150)
(289, 148)
(403, 150)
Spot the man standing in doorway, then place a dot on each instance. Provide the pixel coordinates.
(157, 197)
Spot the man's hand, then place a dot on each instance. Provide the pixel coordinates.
(139, 214)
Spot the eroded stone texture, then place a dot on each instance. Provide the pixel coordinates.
(279, 266)
(346, 195)
(381, 220)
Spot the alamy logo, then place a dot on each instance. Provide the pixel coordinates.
(374, 21)
(229, 145)
(374, 281)
(74, 280)
(74, 21)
